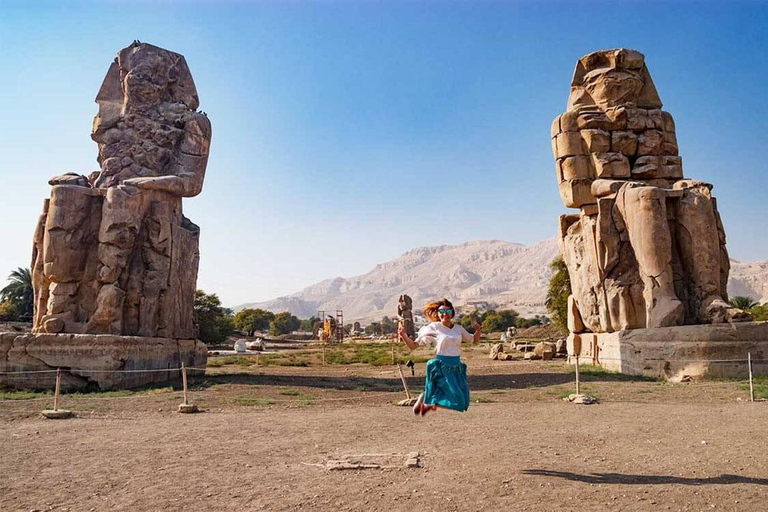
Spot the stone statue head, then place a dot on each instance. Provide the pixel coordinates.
(145, 75)
(613, 78)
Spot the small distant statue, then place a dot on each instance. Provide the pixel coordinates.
(405, 314)
(113, 253)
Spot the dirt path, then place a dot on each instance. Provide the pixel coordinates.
(259, 446)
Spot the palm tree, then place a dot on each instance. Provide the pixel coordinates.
(742, 302)
(19, 291)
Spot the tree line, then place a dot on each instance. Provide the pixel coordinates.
(216, 322)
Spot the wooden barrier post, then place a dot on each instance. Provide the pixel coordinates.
(186, 407)
(751, 385)
(258, 356)
(56, 413)
(56, 392)
(184, 382)
(578, 388)
(405, 384)
(323, 354)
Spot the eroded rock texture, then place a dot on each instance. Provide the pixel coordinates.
(647, 248)
(113, 253)
(405, 314)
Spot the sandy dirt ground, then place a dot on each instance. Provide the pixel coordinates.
(267, 434)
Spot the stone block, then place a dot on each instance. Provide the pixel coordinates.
(570, 144)
(656, 120)
(611, 119)
(669, 144)
(617, 117)
(624, 142)
(671, 167)
(669, 122)
(95, 361)
(610, 165)
(646, 167)
(568, 122)
(649, 142)
(597, 141)
(555, 129)
(637, 119)
(575, 324)
(576, 193)
(545, 350)
(603, 188)
(686, 352)
(576, 167)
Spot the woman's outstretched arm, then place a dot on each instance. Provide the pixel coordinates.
(404, 336)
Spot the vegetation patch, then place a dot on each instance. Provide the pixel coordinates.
(23, 395)
(760, 385)
(305, 400)
(250, 401)
(598, 371)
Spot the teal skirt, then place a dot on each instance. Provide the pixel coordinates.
(446, 383)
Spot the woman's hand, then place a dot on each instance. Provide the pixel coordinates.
(478, 331)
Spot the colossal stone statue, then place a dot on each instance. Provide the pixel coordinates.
(405, 314)
(113, 253)
(647, 248)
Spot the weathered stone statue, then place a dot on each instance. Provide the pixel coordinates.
(113, 253)
(405, 314)
(647, 248)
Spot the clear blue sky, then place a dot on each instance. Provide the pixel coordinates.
(346, 133)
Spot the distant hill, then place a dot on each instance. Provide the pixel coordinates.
(502, 274)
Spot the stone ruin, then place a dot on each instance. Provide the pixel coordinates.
(114, 259)
(647, 248)
(405, 315)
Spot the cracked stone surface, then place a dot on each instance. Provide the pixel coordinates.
(94, 361)
(647, 248)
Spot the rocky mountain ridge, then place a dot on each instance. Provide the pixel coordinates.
(478, 273)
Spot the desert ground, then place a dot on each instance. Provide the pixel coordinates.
(268, 435)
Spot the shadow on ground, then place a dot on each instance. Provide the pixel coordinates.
(618, 478)
(484, 382)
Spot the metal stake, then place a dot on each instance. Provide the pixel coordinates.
(751, 386)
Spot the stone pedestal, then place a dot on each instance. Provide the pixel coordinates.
(88, 361)
(677, 353)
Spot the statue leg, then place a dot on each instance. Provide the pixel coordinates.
(121, 217)
(702, 251)
(64, 244)
(645, 213)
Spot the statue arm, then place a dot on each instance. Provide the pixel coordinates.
(188, 168)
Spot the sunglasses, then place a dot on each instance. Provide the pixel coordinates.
(442, 311)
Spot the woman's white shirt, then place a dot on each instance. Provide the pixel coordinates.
(447, 340)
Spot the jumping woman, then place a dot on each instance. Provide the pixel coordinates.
(446, 382)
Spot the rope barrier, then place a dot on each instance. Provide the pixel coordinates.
(347, 368)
